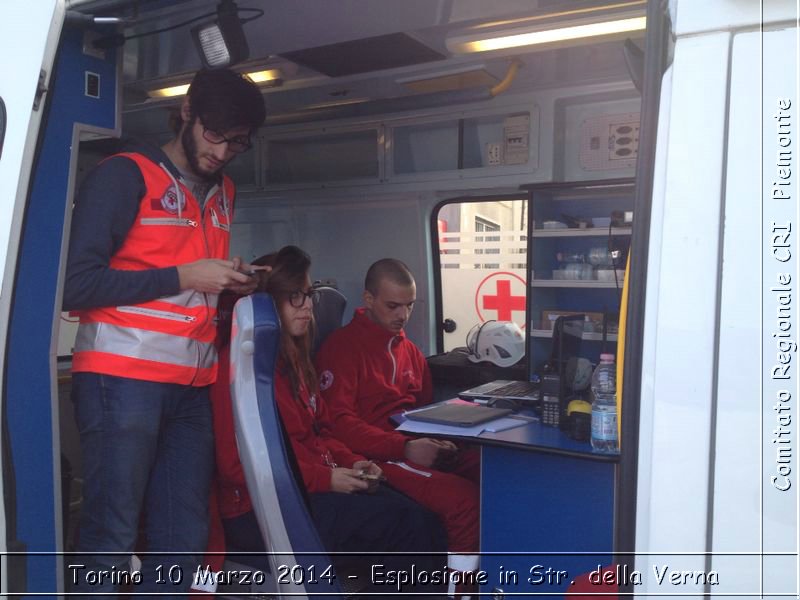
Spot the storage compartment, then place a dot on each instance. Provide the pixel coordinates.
(426, 147)
(579, 268)
(327, 156)
(489, 142)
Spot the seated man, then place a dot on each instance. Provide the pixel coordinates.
(370, 371)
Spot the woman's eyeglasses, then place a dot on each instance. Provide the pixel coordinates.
(237, 144)
(298, 298)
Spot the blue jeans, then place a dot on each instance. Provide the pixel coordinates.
(148, 450)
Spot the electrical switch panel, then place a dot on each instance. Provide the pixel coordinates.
(609, 142)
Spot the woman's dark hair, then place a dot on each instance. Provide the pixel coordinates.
(290, 266)
(223, 99)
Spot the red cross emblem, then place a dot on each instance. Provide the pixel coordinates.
(501, 292)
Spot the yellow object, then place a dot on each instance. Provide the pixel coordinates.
(579, 406)
(623, 312)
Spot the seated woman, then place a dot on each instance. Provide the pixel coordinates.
(352, 510)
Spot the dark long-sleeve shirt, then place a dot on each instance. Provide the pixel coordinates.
(105, 209)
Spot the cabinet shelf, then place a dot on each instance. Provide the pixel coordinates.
(588, 336)
(549, 249)
(575, 283)
(574, 232)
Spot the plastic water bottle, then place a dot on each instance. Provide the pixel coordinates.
(604, 406)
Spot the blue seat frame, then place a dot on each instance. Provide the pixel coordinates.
(280, 507)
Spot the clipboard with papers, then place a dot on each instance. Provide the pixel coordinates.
(430, 424)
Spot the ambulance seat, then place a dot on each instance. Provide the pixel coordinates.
(278, 500)
(328, 313)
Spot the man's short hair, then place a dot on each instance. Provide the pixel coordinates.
(392, 269)
(223, 99)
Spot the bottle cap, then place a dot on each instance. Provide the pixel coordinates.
(606, 357)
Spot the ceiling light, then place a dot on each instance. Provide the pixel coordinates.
(563, 14)
(527, 37)
(169, 92)
(268, 77)
(221, 42)
(264, 78)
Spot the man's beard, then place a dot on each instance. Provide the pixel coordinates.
(190, 150)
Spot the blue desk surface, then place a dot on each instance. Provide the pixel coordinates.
(536, 437)
(533, 437)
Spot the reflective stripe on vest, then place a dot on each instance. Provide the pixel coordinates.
(140, 368)
(168, 339)
(140, 343)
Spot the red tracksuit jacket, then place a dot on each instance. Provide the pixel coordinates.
(307, 424)
(315, 449)
(367, 375)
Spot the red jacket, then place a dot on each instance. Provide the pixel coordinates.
(311, 448)
(307, 424)
(367, 375)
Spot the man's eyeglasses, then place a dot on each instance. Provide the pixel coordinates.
(298, 298)
(237, 144)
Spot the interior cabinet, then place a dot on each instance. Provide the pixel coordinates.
(578, 240)
(479, 144)
(323, 155)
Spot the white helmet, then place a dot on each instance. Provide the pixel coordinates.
(500, 342)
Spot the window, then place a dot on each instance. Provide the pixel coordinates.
(481, 225)
(472, 289)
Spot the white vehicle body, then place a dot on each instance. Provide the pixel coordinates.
(716, 316)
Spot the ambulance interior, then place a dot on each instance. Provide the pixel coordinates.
(393, 131)
(400, 117)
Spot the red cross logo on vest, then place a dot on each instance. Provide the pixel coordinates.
(500, 295)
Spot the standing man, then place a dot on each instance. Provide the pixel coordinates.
(148, 256)
(369, 371)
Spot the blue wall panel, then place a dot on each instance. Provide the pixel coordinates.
(30, 406)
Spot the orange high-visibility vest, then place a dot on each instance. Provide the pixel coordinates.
(171, 339)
